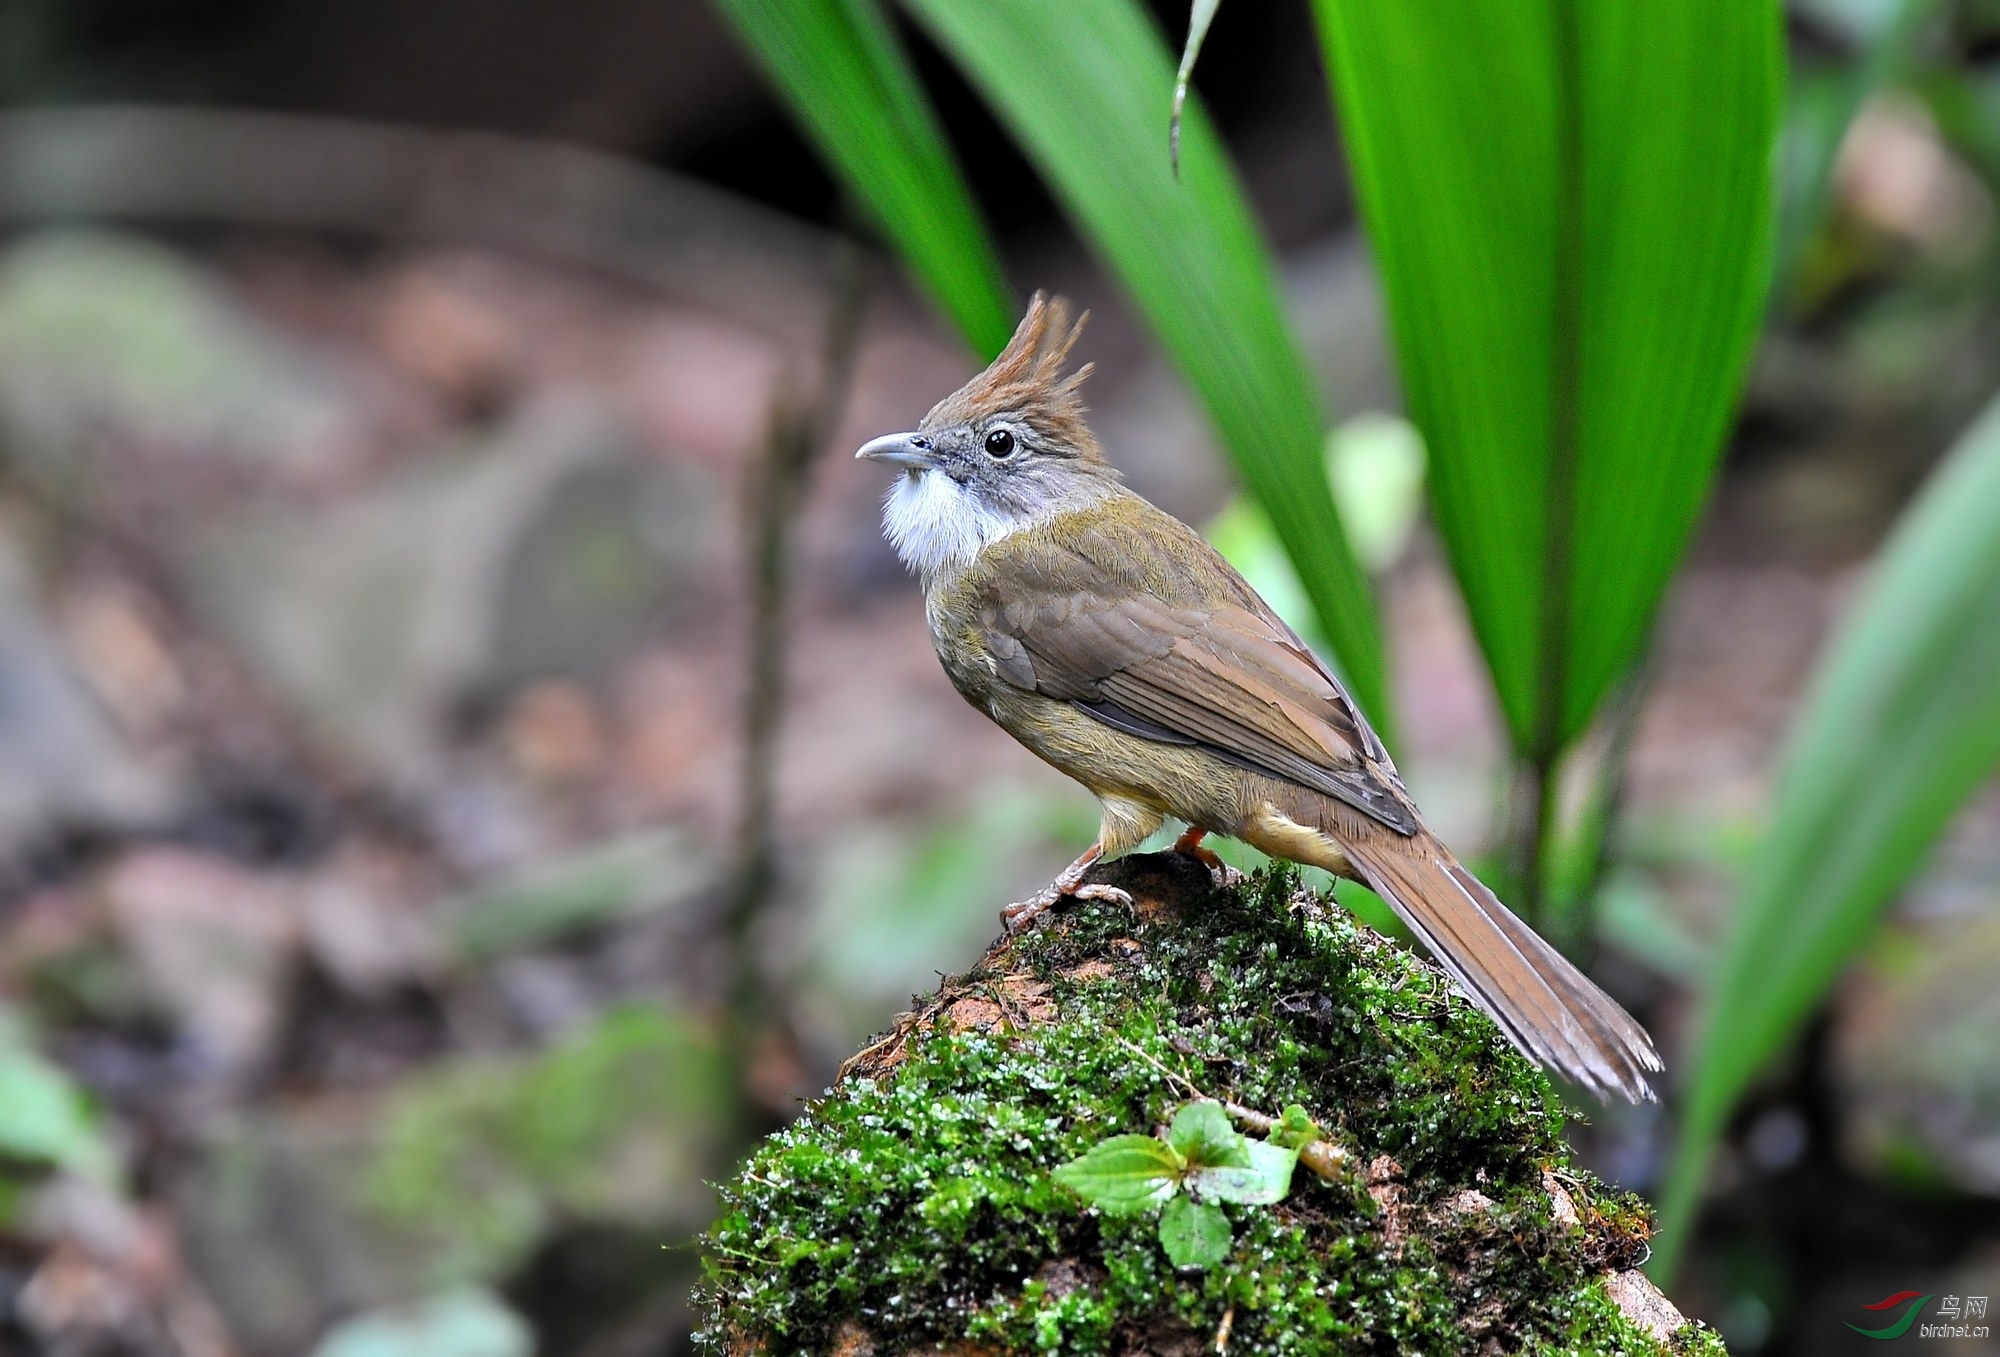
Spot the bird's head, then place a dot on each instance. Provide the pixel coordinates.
(1007, 450)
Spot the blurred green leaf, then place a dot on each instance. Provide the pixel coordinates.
(617, 1121)
(1081, 84)
(1966, 106)
(1570, 206)
(1295, 1129)
(1635, 915)
(1194, 1234)
(1265, 1179)
(1901, 724)
(1377, 465)
(1821, 107)
(44, 1118)
(893, 898)
(1124, 1175)
(592, 886)
(1201, 1133)
(848, 81)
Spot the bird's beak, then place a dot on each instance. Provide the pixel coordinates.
(910, 451)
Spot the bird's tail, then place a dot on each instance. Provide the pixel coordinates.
(1546, 1006)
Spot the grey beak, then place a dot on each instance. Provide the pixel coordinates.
(910, 451)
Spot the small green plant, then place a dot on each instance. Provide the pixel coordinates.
(1202, 1160)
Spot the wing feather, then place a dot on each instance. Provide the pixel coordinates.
(1185, 656)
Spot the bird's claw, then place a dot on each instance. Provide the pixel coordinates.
(1021, 913)
(1018, 916)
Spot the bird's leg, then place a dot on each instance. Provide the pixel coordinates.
(1189, 844)
(1069, 881)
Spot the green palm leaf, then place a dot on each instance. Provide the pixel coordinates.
(851, 86)
(1902, 723)
(1570, 206)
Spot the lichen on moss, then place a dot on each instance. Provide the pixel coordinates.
(914, 1202)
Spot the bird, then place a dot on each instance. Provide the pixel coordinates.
(1116, 644)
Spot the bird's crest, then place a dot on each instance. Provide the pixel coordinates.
(1027, 381)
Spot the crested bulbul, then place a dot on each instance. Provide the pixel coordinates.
(1115, 643)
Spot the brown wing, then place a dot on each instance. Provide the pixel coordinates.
(1176, 647)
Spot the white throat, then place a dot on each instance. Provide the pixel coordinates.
(935, 525)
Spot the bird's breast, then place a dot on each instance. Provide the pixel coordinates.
(961, 645)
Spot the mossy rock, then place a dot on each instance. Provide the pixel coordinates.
(912, 1209)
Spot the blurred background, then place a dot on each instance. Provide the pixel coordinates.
(468, 762)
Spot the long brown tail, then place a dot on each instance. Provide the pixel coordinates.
(1546, 1006)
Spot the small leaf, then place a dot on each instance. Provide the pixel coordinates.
(1265, 1180)
(1295, 1130)
(1199, 18)
(1124, 1175)
(1201, 1131)
(1194, 1234)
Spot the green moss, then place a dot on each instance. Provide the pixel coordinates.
(1695, 1339)
(915, 1199)
(1593, 1323)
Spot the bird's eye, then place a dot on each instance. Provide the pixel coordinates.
(1000, 443)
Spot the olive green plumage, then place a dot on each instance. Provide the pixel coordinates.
(1078, 639)
(1111, 640)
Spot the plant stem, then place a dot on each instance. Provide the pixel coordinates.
(1536, 801)
(798, 432)
(1542, 760)
(1599, 827)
